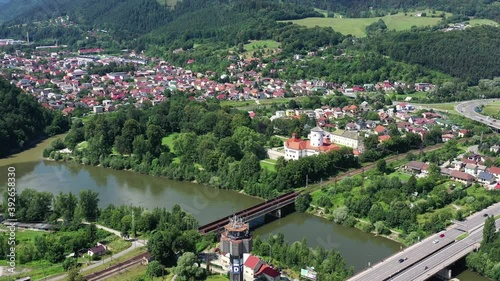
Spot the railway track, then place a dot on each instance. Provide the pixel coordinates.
(108, 272)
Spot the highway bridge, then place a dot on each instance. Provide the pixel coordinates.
(435, 252)
(273, 205)
(467, 109)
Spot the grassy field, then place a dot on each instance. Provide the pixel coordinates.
(217, 278)
(268, 164)
(169, 141)
(477, 22)
(356, 26)
(261, 102)
(450, 107)
(261, 44)
(492, 109)
(169, 3)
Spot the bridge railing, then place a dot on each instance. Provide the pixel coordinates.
(270, 209)
(434, 270)
(247, 212)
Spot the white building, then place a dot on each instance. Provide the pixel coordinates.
(296, 148)
(345, 138)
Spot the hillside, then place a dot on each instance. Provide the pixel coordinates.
(471, 54)
(23, 120)
(489, 9)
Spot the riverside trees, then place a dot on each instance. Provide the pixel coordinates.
(212, 145)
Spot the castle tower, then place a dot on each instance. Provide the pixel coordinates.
(236, 240)
(316, 137)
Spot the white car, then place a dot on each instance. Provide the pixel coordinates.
(435, 241)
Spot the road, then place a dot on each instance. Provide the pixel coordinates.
(434, 263)
(419, 251)
(135, 244)
(467, 109)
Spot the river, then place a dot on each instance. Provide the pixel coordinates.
(205, 203)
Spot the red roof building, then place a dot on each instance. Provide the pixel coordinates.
(268, 273)
(296, 148)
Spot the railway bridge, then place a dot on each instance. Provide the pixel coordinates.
(273, 207)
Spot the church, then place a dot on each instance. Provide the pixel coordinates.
(296, 147)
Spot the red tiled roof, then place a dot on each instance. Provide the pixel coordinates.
(299, 144)
(384, 138)
(252, 262)
(379, 129)
(494, 170)
(461, 175)
(266, 270)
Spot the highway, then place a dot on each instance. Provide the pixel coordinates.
(434, 263)
(466, 109)
(412, 255)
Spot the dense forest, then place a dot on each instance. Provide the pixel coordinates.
(471, 54)
(23, 120)
(363, 8)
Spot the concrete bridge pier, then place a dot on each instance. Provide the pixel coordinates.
(276, 213)
(444, 274)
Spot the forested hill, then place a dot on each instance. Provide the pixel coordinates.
(471, 55)
(23, 120)
(128, 19)
(366, 8)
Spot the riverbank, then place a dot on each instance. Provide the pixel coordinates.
(32, 153)
(320, 212)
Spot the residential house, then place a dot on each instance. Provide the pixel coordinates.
(495, 171)
(447, 137)
(97, 250)
(495, 148)
(290, 113)
(268, 273)
(485, 177)
(351, 126)
(463, 133)
(381, 130)
(251, 267)
(98, 109)
(470, 169)
(415, 167)
(462, 177)
(383, 138)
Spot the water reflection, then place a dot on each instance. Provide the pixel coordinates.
(356, 247)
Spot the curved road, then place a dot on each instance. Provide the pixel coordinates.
(466, 109)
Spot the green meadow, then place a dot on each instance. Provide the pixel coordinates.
(357, 26)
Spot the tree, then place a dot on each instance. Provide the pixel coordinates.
(65, 206)
(381, 166)
(302, 202)
(188, 268)
(155, 269)
(380, 227)
(161, 246)
(74, 275)
(434, 171)
(70, 263)
(88, 205)
(489, 230)
(340, 214)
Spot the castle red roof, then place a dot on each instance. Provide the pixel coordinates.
(299, 144)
